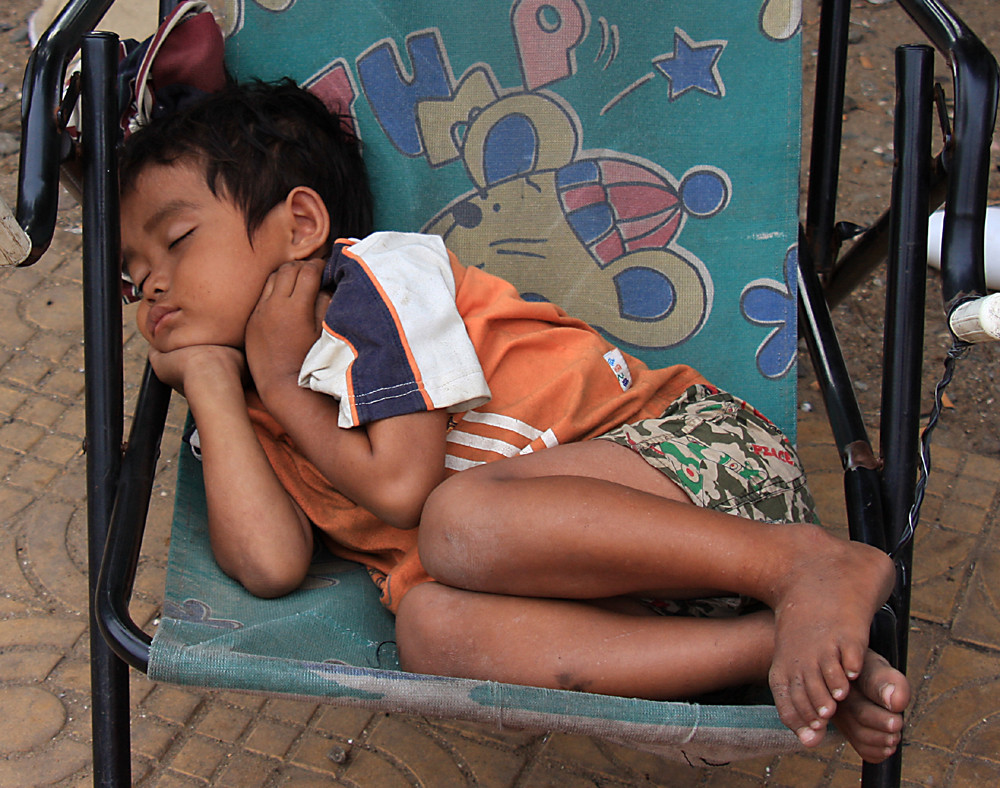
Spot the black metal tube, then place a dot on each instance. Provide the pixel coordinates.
(821, 239)
(41, 136)
(103, 385)
(976, 80)
(904, 331)
(128, 521)
(872, 247)
(816, 326)
(905, 292)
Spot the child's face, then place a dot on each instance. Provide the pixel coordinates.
(188, 253)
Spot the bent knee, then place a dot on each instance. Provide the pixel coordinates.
(428, 636)
(458, 541)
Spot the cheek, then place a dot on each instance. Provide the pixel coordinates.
(140, 319)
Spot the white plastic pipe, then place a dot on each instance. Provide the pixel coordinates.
(991, 246)
(977, 320)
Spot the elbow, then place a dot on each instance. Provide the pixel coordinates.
(401, 505)
(267, 581)
(402, 515)
(272, 587)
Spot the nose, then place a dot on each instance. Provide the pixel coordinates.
(156, 282)
(467, 215)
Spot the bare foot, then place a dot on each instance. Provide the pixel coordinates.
(871, 717)
(823, 608)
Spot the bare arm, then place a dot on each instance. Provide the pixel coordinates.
(259, 536)
(389, 466)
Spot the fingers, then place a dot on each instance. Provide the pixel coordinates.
(297, 278)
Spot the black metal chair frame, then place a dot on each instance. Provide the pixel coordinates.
(880, 488)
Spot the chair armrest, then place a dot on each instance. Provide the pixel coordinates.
(41, 130)
(128, 521)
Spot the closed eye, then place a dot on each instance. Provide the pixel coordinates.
(177, 240)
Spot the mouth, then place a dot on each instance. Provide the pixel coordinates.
(159, 317)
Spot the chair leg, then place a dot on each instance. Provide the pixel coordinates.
(103, 381)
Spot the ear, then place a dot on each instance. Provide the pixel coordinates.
(310, 222)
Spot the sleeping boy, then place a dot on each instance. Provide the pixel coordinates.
(534, 505)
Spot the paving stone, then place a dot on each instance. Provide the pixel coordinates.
(16, 331)
(243, 700)
(52, 347)
(796, 769)
(150, 736)
(64, 382)
(224, 723)
(25, 369)
(10, 608)
(927, 767)
(246, 771)
(58, 307)
(46, 766)
(32, 475)
(450, 759)
(345, 722)
(728, 779)
(12, 501)
(545, 774)
(319, 752)
(172, 779)
(943, 559)
(827, 488)
(271, 738)
(171, 703)
(45, 547)
(199, 757)
(20, 436)
(974, 773)
(295, 711)
(11, 399)
(49, 631)
(371, 768)
(41, 411)
(958, 710)
(978, 620)
(31, 717)
(963, 515)
(985, 468)
(27, 665)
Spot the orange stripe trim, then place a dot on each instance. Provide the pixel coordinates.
(350, 367)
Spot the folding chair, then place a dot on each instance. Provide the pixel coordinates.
(564, 98)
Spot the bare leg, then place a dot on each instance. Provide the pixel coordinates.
(562, 644)
(593, 520)
(572, 645)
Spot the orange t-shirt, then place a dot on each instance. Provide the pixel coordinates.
(552, 378)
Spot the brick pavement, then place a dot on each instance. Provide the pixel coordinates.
(183, 737)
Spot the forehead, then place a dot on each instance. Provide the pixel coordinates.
(158, 183)
(165, 191)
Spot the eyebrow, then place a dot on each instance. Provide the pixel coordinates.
(166, 211)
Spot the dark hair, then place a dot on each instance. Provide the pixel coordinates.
(257, 141)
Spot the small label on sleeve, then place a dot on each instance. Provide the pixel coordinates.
(617, 363)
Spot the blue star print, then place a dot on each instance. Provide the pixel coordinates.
(765, 302)
(692, 66)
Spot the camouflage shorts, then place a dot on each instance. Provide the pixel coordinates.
(726, 456)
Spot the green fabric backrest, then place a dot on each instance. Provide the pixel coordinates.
(636, 163)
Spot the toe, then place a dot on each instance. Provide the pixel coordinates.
(883, 684)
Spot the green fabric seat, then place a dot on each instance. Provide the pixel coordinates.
(635, 163)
